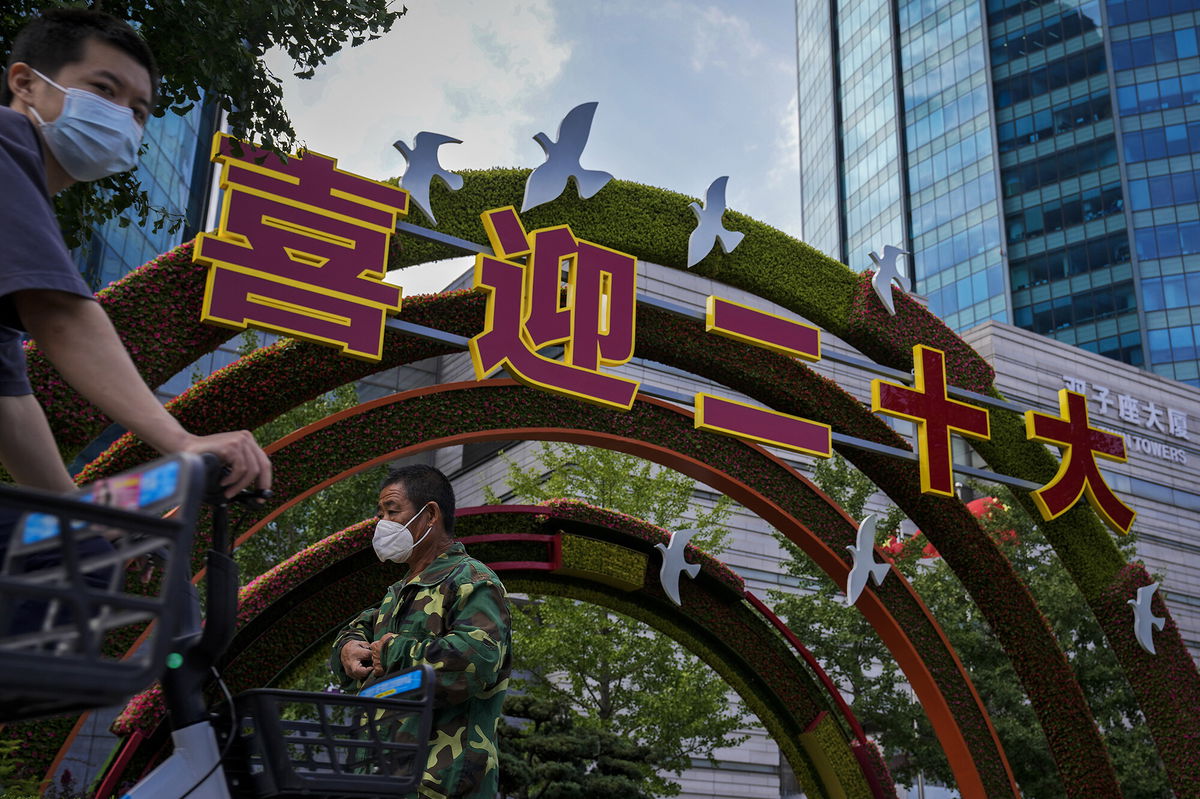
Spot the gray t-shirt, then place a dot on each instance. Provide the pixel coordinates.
(32, 252)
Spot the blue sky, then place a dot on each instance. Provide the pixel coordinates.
(687, 92)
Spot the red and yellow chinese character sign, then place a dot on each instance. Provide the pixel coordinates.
(936, 416)
(301, 249)
(1078, 473)
(528, 311)
(766, 330)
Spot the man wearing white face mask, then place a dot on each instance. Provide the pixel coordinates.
(448, 610)
(78, 88)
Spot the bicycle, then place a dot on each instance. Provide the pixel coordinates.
(65, 587)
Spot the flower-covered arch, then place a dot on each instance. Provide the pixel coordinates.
(568, 549)
(654, 224)
(271, 377)
(423, 419)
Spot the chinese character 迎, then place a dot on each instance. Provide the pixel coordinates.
(766, 330)
(1078, 473)
(301, 249)
(1100, 394)
(528, 311)
(936, 415)
(1076, 384)
(1178, 422)
(1129, 409)
(1154, 420)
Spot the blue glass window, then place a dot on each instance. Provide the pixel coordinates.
(1185, 43)
(1139, 195)
(1145, 245)
(1183, 346)
(1152, 294)
(1189, 237)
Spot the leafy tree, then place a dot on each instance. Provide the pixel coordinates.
(321, 515)
(857, 660)
(217, 48)
(620, 482)
(618, 677)
(549, 755)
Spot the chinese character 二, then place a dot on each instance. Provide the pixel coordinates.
(936, 415)
(529, 310)
(301, 249)
(1078, 473)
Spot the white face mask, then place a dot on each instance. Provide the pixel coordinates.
(394, 541)
(92, 138)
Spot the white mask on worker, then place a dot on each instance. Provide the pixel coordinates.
(394, 541)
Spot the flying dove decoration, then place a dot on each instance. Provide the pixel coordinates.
(1145, 622)
(886, 273)
(865, 566)
(423, 167)
(549, 180)
(673, 563)
(710, 230)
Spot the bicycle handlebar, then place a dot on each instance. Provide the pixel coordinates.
(183, 683)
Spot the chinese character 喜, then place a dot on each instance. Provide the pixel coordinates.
(301, 249)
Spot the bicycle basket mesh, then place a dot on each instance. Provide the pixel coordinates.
(295, 743)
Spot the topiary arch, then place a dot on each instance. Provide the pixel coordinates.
(271, 375)
(574, 550)
(424, 419)
(654, 224)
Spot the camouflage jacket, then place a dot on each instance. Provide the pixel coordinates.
(454, 616)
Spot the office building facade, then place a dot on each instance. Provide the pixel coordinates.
(1039, 159)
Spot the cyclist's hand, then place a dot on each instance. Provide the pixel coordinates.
(377, 653)
(356, 659)
(247, 462)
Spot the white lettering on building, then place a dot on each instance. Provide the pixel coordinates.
(1158, 449)
(1131, 409)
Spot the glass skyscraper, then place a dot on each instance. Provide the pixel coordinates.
(1041, 160)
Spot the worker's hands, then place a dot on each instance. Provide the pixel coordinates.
(357, 659)
(246, 460)
(377, 654)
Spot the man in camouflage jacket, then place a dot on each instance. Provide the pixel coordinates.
(451, 612)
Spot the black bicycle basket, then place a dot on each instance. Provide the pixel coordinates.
(82, 575)
(294, 744)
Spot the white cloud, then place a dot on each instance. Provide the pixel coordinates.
(786, 161)
(470, 69)
(723, 40)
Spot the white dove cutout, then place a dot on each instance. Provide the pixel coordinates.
(709, 229)
(886, 273)
(865, 565)
(673, 563)
(549, 180)
(423, 167)
(1145, 622)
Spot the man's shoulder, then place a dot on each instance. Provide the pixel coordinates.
(475, 571)
(18, 137)
(466, 569)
